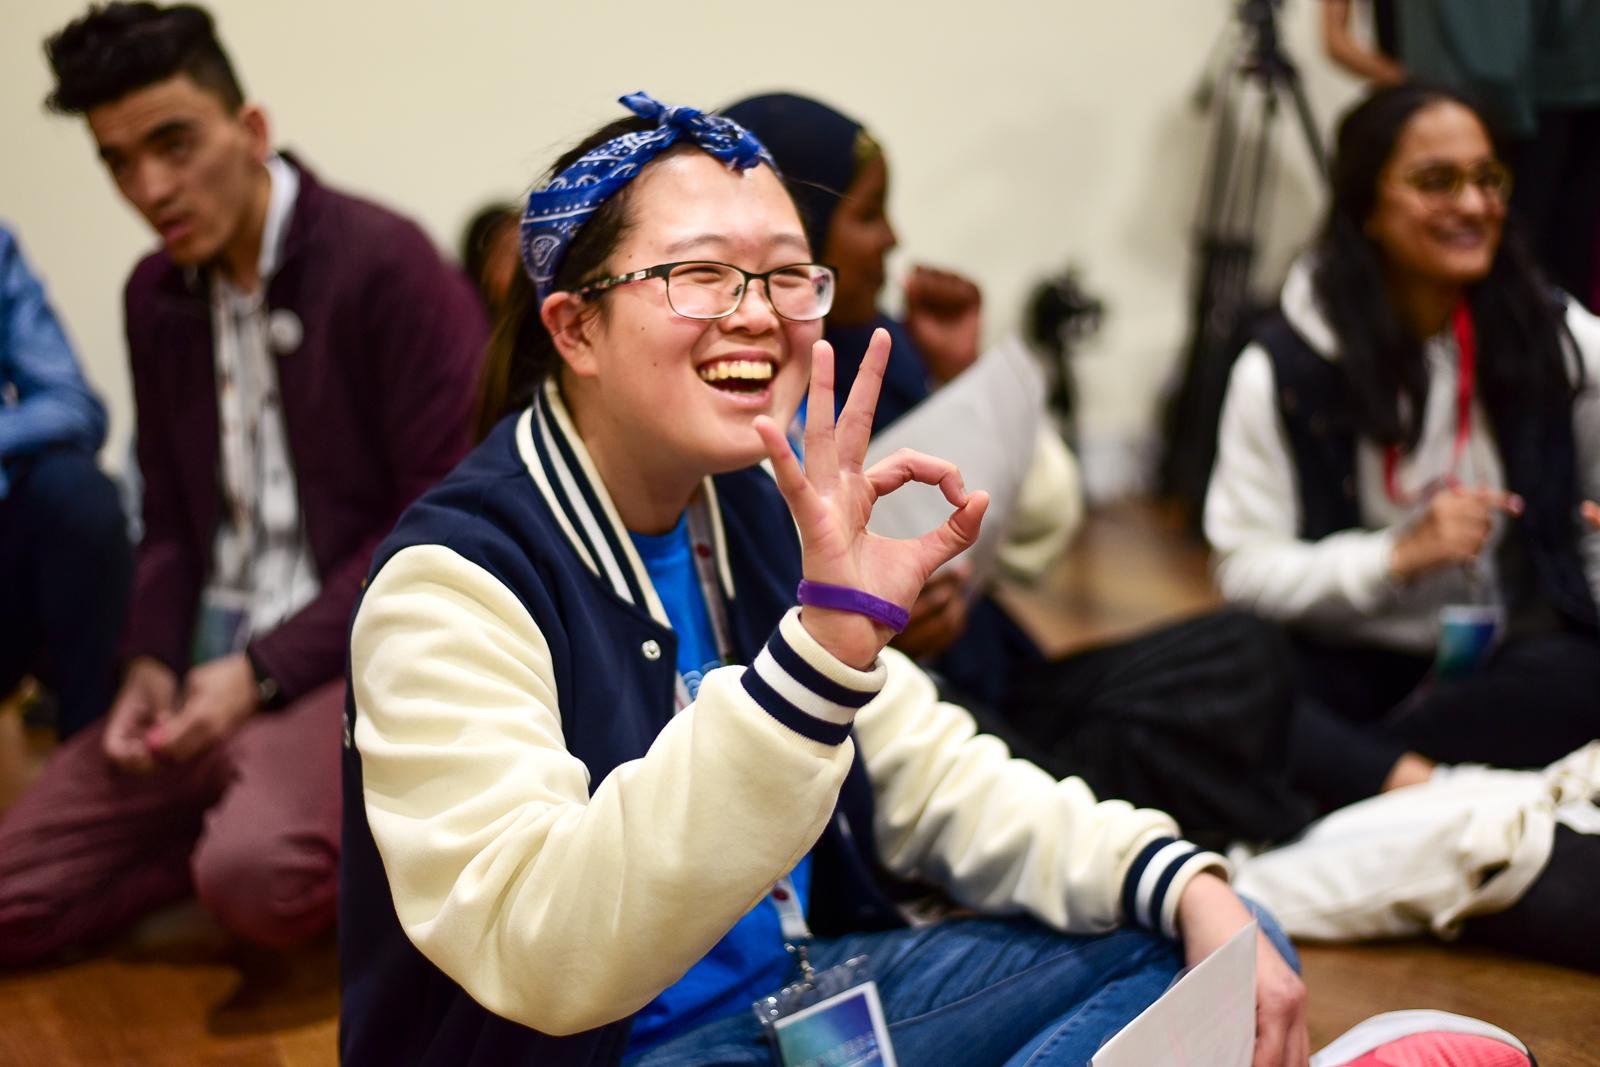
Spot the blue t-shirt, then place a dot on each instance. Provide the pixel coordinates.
(750, 960)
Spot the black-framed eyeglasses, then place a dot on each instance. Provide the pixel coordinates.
(1441, 183)
(706, 289)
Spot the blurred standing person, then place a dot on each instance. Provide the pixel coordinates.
(1379, 63)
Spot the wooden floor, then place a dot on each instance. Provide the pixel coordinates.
(177, 994)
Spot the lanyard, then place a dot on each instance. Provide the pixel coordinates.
(784, 896)
(1466, 376)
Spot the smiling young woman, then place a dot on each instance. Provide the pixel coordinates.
(1414, 434)
(603, 773)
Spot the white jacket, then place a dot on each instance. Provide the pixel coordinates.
(1341, 584)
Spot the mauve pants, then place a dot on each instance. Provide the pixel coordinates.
(251, 827)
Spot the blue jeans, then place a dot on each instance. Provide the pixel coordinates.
(979, 993)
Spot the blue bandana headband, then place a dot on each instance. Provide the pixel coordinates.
(556, 212)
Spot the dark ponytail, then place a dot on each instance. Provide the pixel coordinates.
(521, 352)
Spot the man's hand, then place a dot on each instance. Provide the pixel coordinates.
(147, 698)
(217, 698)
(1209, 913)
(939, 615)
(1591, 514)
(943, 315)
(1453, 530)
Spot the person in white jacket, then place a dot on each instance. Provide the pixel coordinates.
(601, 770)
(1415, 433)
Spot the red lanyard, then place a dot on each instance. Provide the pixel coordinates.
(1466, 376)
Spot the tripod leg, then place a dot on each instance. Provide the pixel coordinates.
(1308, 124)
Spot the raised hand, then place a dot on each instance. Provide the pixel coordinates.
(943, 316)
(832, 498)
(1591, 514)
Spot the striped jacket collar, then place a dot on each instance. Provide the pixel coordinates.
(564, 474)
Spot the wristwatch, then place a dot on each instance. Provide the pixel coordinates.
(267, 691)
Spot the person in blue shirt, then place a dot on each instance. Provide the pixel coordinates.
(569, 842)
(65, 562)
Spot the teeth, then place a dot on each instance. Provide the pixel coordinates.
(749, 370)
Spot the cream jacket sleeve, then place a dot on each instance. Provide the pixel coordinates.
(1001, 834)
(565, 904)
(553, 906)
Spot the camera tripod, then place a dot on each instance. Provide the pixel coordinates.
(1234, 189)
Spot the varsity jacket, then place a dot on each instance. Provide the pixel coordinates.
(1318, 554)
(536, 846)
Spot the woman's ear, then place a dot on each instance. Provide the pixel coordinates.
(565, 315)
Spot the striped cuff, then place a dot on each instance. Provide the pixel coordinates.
(803, 686)
(1158, 877)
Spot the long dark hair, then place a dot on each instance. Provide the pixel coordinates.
(521, 351)
(1521, 363)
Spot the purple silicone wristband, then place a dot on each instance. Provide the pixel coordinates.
(843, 598)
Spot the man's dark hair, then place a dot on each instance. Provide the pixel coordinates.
(117, 48)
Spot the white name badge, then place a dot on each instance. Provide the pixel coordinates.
(833, 1018)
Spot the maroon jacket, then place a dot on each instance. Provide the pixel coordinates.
(377, 402)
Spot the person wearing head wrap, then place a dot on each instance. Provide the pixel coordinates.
(1071, 714)
(602, 772)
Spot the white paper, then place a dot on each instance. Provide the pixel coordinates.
(1207, 1018)
(986, 421)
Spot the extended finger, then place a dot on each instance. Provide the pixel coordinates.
(822, 457)
(908, 465)
(855, 421)
(792, 481)
(1500, 500)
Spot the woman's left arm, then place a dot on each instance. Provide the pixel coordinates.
(1004, 836)
(1001, 834)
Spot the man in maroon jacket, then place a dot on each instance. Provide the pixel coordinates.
(304, 366)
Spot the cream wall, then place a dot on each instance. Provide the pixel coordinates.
(1020, 135)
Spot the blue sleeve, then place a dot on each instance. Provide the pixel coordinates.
(905, 380)
(52, 403)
